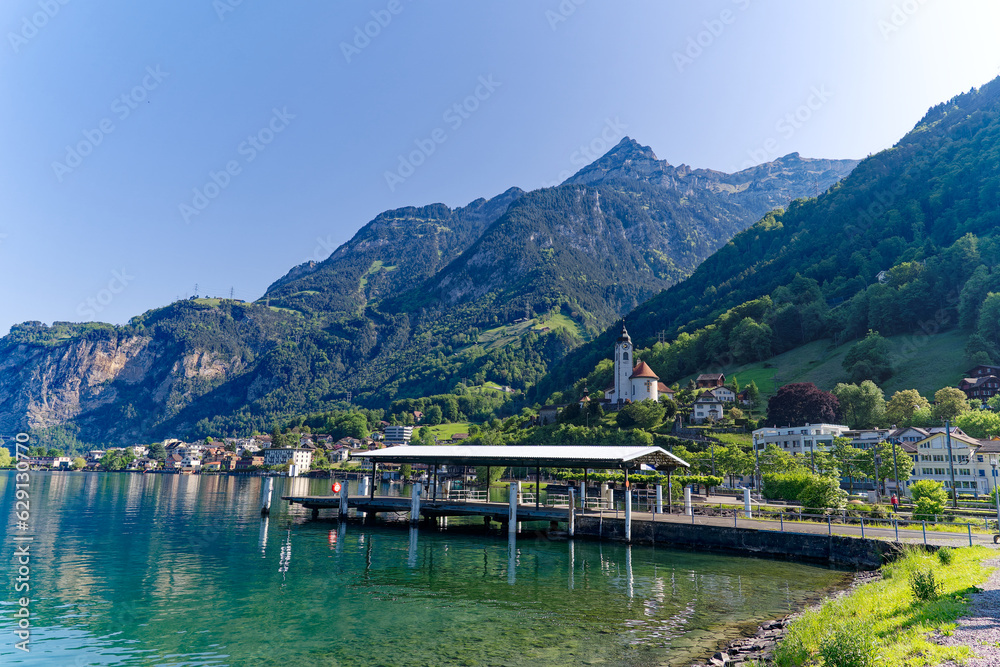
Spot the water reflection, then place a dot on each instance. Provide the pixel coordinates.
(140, 570)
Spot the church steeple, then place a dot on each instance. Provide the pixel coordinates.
(623, 367)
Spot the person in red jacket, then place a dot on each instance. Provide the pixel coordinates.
(895, 503)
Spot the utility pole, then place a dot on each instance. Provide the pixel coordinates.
(895, 470)
(951, 464)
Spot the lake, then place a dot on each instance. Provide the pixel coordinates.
(133, 569)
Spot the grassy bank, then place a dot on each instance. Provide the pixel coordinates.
(885, 623)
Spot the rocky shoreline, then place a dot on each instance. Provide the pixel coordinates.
(760, 647)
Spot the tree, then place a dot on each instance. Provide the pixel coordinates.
(157, 451)
(496, 474)
(822, 492)
(753, 394)
(644, 415)
(750, 341)
(78, 463)
(929, 497)
(669, 407)
(902, 406)
(406, 471)
(882, 453)
(774, 460)
(848, 457)
(862, 406)
(433, 416)
(319, 461)
(5, 458)
(981, 424)
(735, 413)
(801, 403)
(424, 436)
(733, 461)
(950, 402)
(869, 359)
(113, 460)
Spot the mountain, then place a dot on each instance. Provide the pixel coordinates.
(418, 300)
(906, 245)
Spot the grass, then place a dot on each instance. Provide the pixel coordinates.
(924, 363)
(504, 335)
(377, 265)
(446, 431)
(902, 625)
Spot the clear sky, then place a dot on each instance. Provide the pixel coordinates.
(146, 147)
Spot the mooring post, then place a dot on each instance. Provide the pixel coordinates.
(343, 501)
(583, 496)
(415, 503)
(862, 528)
(969, 526)
(659, 499)
(746, 503)
(628, 510)
(923, 525)
(265, 498)
(687, 501)
(571, 516)
(512, 518)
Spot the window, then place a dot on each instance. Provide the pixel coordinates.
(926, 471)
(964, 472)
(939, 457)
(979, 458)
(938, 471)
(624, 356)
(982, 473)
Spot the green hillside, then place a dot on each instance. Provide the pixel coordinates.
(922, 363)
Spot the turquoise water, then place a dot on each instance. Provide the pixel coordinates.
(131, 569)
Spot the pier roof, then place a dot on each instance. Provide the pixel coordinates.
(559, 456)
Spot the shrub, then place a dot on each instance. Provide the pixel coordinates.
(923, 585)
(786, 486)
(945, 555)
(851, 645)
(929, 498)
(791, 651)
(820, 494)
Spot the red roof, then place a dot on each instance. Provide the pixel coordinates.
(642, 370)
(663, 389)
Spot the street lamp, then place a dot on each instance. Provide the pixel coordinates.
(996, 496)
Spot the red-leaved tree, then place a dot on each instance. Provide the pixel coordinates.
(802, 403)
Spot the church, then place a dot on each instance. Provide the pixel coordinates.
(635, 382)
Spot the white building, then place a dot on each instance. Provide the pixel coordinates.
(632, 381)
(724, 394)
(799, 439)
(934, 461)
(399, 435)
(302, 458)
(707, 408)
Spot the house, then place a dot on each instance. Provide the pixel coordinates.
(981, 388)
(249, 462)
(95, 455)
(907, 435)
(799, 439)
(710, 380)
(417, 416)
(724, 394)
(339, 454)
(302, 458)
(212, 465)
(986, 465)
(707, 408)
(53, 462)
(547, 414)
(744, 398)
(398, 435)
(867, 438)
(936, 461)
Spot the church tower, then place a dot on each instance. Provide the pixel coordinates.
(623, 367)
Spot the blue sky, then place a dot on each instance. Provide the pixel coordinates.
(149, 147)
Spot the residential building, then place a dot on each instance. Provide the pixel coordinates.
(935, 461)
(799, 439)
(54, 462)
(980, 389)
(986, 465)
(707, 408)
(398, 435)
(867, 438)
(710, 380)
(298, 457)
(547, 414)
(724, 394)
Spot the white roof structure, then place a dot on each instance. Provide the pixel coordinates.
(560, 456)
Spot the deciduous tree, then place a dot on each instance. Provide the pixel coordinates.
(903, 405)
(801, 403)
(862, 406)
(950, 402)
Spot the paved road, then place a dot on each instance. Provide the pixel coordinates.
(905, 533)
